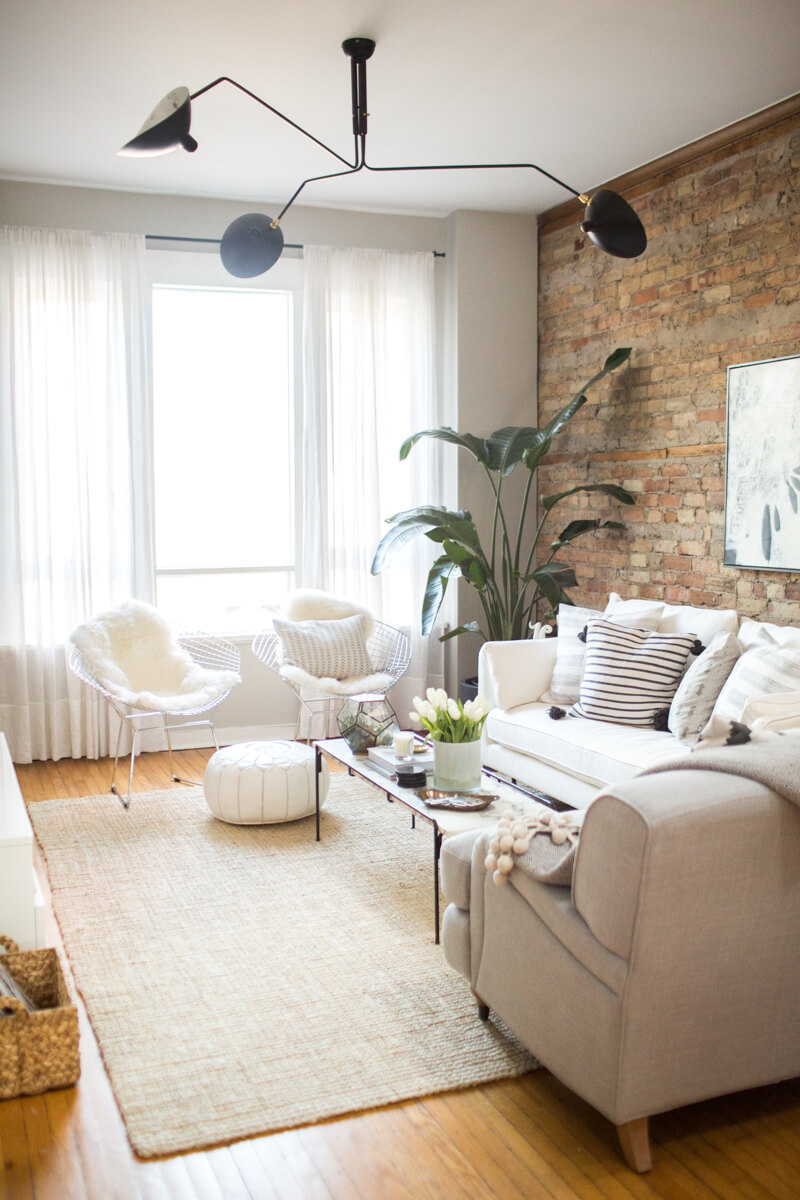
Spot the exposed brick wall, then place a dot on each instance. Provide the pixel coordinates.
(718, 285)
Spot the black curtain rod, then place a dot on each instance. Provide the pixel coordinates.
(165, 237)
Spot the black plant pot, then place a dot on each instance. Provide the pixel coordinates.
(468, 688)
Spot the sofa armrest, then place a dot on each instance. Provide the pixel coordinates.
(513, 673)
(661, 856)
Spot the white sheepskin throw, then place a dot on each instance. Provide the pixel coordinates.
(135, 655)
(310, 604)
(365, 685)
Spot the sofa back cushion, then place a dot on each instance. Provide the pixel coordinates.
(760, 633)
(704, 623)
(630, 675)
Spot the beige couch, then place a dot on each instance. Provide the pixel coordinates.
(669, 972)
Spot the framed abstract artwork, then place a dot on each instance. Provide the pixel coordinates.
(762, 484)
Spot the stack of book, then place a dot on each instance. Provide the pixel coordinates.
(384, 759)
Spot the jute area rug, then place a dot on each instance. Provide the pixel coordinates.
(247, 979)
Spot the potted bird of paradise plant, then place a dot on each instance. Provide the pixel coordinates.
(512, 578)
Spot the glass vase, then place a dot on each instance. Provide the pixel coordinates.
(457, 766)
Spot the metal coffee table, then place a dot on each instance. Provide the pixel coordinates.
(445, 822)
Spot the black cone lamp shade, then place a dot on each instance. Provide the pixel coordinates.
(250, 246)
(165, 129)
(611, 224)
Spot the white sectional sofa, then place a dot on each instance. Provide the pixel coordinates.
(571, 759)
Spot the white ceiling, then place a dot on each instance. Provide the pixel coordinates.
(588, 89)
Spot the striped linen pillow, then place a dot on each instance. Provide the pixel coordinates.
(630, 675)
(762, 671)
(325, 649)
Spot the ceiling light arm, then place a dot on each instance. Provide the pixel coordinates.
(313, 179)
(283, 117)
(485, 167)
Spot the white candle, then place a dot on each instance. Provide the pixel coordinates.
(403, 743)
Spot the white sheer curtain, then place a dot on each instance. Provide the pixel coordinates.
(75, 470)
(369, 382)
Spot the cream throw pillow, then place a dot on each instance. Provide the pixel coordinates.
(335, 649)
(762, 671)
(700, 687)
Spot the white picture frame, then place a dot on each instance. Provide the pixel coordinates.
(762, 475)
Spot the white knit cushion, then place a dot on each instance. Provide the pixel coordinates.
(261, 783)
(325, 648)
(701, 685)
(762, 671)
(565, 685)
(630, 674)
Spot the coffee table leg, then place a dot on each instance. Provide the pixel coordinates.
(437, 846)
(317, 770)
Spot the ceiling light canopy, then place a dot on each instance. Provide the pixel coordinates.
(253, 243)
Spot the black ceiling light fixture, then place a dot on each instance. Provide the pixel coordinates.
(253, 243)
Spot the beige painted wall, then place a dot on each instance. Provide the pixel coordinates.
(490, 365)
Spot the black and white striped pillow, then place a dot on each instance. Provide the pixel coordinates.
(629, 674)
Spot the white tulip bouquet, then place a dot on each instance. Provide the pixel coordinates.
(449, 720)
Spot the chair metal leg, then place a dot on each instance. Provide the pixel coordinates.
(116, 757)
(167, 730)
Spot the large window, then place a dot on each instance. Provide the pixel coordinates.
(223, 398)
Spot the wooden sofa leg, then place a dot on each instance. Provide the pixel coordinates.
(634, 1138)
(483, 1009)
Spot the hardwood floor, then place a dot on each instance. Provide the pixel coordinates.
(527, 1138)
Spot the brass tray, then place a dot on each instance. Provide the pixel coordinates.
(460, 801)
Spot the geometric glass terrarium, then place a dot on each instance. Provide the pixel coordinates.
(365, 723)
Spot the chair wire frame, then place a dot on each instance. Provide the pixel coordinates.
(205, 650)
(390, 654)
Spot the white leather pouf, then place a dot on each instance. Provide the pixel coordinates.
(261, 783)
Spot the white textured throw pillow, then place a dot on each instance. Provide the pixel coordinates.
(335, 649)
(761, 671)
(565, 685)
(701, 685)
(630, 675)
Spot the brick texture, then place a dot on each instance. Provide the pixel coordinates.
(719, 284)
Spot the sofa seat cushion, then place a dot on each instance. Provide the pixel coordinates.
(597, 752)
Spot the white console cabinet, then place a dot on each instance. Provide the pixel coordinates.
(21, 902)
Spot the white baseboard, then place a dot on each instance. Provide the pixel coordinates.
(194, 739)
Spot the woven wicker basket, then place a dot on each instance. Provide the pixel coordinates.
(38, 1050)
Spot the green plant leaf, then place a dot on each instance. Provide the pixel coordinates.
(551, 579)
(472, 569)
(608, 489)
(614, 360)
(507, 447)
(470, 627)
(407, 525)
(457, 530)
(576, 528)
(435, 589)
(534, 454)
(476, 446)
(617, 358)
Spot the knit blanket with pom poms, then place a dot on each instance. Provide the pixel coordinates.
(541, 844)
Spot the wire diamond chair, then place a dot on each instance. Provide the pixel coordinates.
(205, 650)
(389, 651)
